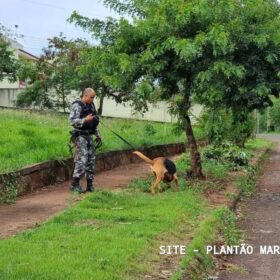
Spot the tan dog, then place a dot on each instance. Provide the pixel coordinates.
(163, 169)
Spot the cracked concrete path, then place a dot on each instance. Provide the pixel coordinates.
(261, 225)
(32, 209)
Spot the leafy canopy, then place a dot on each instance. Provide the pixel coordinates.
(8, 62)
(223, 53)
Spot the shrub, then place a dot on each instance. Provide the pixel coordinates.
(227, 153)
(222, 125)
(9, 188)
(149, 129)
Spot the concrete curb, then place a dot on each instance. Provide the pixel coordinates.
(50, 172)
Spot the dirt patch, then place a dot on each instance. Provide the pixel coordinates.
(32, 209)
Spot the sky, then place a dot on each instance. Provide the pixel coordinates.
(38, 20)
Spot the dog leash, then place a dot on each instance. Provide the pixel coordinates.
(125, 141)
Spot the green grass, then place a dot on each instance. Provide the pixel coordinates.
(103, 237)
(29, 137)
(197, 264)
(258, 143)
(116, 235)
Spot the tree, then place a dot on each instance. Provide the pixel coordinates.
(245, 73)
(8, 61)
(38, 85)
(222, 52)
(269, 119)
(64, 57)
(92, 72)
(54, 75)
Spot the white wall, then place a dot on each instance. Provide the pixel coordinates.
(157, 112)
(8, 96)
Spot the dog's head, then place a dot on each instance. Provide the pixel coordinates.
(168, 177)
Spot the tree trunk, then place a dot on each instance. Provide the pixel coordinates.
(63, 101)
(195, 155)
(100, 108)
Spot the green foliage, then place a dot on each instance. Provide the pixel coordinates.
(142, 185)
(211, 49)
(95, 70)
(149, 129)
(9, 188)
(216, 125)
(243, 127)
(255, 144)
(274, 114)
(269, 119)
(197, 264)
(223, 54)
(8, 62)
(247, 183)
(227, 153)
(222, 125)
(53, 76)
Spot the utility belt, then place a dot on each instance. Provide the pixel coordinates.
(76, 133)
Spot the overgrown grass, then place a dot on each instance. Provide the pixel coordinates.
(220, 223)
(30, 137)
(101, 238)
(115, 235)
(258, 143)
(109, 235)
(219, 227)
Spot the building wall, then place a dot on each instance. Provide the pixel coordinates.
(5, 84)
(8, 96)
(157, 112)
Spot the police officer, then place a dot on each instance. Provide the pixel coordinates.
(83, 118)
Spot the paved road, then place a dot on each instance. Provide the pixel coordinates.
(262, 225)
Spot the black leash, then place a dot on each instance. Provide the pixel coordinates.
(125, 141)
(98, 144)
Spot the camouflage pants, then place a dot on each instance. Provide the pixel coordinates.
(84, 158)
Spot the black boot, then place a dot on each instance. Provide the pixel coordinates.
(90, 187)
(75, 187)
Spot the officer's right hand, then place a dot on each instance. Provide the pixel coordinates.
(89, 118)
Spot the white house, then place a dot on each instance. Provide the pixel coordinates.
(8, 90)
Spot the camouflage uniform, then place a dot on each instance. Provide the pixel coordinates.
(85, 156)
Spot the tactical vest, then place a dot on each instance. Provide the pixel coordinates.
(88, 110)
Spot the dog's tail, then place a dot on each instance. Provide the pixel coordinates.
(143, 157)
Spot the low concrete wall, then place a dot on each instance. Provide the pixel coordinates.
(47, 173)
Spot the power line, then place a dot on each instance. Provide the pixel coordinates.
(45, 4)
(59, 7)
